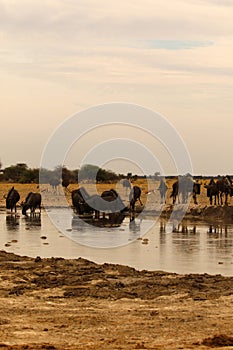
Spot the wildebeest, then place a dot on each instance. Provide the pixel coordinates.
(114, 202)
(12, 198)
(185, 186)
(162, 190)
(212, 191)
(126, 184)
(109, 201)
(32, 202)
(134, 196)
(79, 198)
(224, 186)
(65, 183)
(54, 183)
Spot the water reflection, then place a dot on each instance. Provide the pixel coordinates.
(183, 227)
(12, 222)
(33, 220)
(220, 237)
(192, 247)
(218, 229)
(134, 226)
(111, 220)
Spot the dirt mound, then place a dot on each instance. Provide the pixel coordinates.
(27, 347)
(82, 278)
(220, 340)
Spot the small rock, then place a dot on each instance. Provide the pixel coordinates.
(154, 313)
(43, 237)
(37, 259)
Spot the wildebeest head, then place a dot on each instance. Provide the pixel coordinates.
(32, 201)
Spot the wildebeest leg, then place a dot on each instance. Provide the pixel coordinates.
(195, 198)
(221, 201)
(97, 214)
(132, 205)
(174, 199)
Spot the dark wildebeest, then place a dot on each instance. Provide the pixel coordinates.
(185, 186)
(79, 198)
(126, 184)
(12, 198)
(32, 201)
(65, 183)
(109, 201)
(212, 191)
(162, 190)
(224, 186)
(115, 203)
(134, 196)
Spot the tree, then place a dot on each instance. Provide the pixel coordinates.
(94, 173)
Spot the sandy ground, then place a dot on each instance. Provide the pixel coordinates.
(76, 304)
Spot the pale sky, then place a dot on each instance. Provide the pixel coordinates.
(174, 57)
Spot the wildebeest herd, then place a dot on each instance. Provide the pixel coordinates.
(109, 202)
(32, 201)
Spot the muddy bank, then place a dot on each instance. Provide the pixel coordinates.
(82, 278)
(77, 304)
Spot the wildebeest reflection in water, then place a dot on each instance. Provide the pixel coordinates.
(110, 220)
(33, 220)
(184, 228)
(12, 222)
(178, 228)
(134, 225)
(218, 229)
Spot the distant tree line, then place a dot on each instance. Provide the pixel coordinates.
(21, 173)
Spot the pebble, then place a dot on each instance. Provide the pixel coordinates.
(37, 259)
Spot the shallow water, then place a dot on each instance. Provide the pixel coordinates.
(143, 244)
